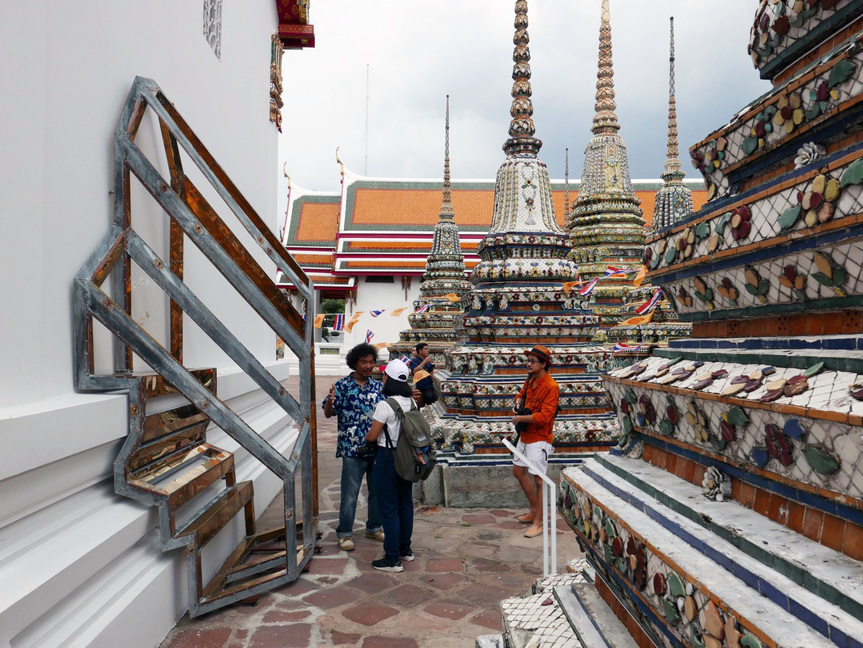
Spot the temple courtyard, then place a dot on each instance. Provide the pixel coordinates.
(467, 562)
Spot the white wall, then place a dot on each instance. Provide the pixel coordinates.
(66, 69)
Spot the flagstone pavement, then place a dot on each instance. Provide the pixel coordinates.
(467, 561)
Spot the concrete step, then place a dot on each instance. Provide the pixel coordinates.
(819, 569)
(708, 578)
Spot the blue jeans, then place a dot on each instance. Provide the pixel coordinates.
(353, 469)
(395, 499)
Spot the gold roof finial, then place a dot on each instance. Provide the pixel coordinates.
(521, 129)
(605, 120)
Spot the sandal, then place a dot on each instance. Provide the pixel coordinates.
(527, 518)
(532, 532)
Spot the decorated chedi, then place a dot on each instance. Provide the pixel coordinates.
(518, 301)
(736, 516)
(648, 318)
(605, 225)
(443, 283)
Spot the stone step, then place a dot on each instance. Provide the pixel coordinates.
(832, 575)
(592, 620)
(537, 620)
(708, 578)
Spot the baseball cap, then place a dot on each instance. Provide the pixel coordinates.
(397, 370)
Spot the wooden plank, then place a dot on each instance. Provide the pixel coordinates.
(169, 449)
(220, 514)
(169, 421)
(183, 493)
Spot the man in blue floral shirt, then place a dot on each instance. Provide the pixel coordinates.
(353, 400)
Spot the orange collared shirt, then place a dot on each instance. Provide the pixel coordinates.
(540, 396)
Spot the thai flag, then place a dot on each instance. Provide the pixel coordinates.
(424, 308)
(615, 272)
(650, 304)
(584, 292)
(375, 313)
(369, 335)
(339, 324)
(625, 347)
(405, 359)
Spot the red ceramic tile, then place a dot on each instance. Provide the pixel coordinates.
(296, 635)
(777, 509)
(345, 638)
(333, 597)
(445, 565)
(747, 494)
(833, 532)
(762, 502)
(812, 523)
(407, 596)
(489, 619)
(369, 614)
(503, 513)
(478, 518)
(794, 519)
(452, 610)
(671, 463)
(373, 582)
(389, 642)
(853, 545)
(323, 565)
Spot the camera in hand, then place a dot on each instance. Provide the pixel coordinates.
(522, 411)
(367, 451)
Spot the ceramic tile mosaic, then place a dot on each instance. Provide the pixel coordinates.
(690, 607)
(748, 444)
(767, 128)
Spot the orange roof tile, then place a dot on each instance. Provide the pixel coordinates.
(317, 223)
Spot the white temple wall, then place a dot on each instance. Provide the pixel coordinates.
(80, 565)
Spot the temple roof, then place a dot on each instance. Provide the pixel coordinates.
(378, 226)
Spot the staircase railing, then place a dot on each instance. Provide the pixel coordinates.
(163, 467)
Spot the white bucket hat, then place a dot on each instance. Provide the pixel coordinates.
(397, 370)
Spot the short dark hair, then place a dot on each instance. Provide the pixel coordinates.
(359, 351)
(419, 347)
(393, 387)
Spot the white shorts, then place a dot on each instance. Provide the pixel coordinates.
(537, 452)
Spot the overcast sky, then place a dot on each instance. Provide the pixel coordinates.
(418, 52)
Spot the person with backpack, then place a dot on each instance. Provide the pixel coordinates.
(395, 494)
(535, 408)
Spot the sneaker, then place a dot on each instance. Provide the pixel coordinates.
(377, 535)
(385, 565)
(407, 557)
(346, 543)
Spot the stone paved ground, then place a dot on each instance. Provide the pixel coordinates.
(467, 561)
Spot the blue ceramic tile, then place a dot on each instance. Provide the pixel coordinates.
(808, 617)
(839, 343)
(771, 592)
(745, 575)
(838, 637)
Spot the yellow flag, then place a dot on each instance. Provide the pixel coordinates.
(453, 298)
(381, 345)
(641, 319)
(568, 286)
(397, 311)
(640, 277)
(319, 320)
(419, 375)
(356, 318)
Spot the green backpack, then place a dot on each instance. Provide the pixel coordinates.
(415, 454)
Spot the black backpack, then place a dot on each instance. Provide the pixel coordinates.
(415, 454)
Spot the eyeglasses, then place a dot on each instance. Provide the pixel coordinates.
(533, 361)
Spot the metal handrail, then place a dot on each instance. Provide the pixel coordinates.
(549, 507)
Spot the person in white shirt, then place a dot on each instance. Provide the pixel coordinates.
(395, 495)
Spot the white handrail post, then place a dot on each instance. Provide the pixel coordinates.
(549, 504)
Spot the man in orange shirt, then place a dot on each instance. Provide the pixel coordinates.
(540, 395)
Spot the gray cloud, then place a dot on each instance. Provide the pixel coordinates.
(419, 51)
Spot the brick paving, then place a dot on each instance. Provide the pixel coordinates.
(467, 561)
